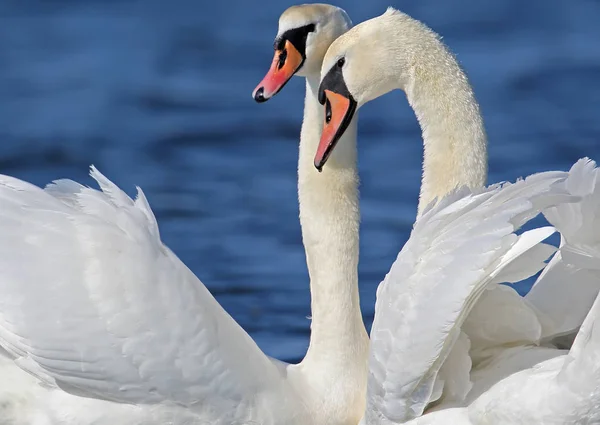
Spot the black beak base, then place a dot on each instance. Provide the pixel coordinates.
(333, 81)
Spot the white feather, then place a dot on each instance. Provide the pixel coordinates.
(455, 251)
(565, 291)
(93, 303)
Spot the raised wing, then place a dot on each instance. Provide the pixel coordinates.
(455, 250)
(92, 301)
(566, 289)
(564, 389)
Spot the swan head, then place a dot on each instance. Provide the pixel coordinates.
(304, 35)
(373, 58)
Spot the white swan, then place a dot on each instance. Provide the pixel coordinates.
(119, 331)
(395, 51)
(116, 330)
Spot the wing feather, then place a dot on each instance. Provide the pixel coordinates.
(95, 303)
(568, 286)
(456, 249)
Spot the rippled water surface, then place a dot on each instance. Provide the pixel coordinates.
(157, 94)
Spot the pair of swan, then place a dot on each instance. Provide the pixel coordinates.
(101, 323)
(361, 66)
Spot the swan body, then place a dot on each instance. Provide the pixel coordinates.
(405, 359)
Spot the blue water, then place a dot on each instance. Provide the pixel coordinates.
(157, 94)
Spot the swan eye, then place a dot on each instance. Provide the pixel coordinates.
(341, 62)
(327, 111)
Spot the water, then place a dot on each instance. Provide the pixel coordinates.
(157, 94)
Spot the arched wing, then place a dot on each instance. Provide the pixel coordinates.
(91, 300)
(456, 249)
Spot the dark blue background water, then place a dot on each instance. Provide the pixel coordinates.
(157, 93)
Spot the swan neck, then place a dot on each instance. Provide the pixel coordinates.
(329, 217)
(454, 138)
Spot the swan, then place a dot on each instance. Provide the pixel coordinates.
(398, 52)
(110, 327)
(101, 323)
(503, 330)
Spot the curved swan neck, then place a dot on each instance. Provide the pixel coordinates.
(329, 216)
(395, 51)
(454, 138)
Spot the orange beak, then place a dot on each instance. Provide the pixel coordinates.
(285, 63)
(339, 111)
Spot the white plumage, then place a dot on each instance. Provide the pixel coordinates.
(115, 329)
(415, 330)
(94, 304)
(112, 328)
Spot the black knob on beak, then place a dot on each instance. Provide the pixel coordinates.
(259, 95)
(322, 97)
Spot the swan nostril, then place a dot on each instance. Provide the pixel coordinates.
(282, 58)
(327, 111)
(259, 95)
